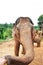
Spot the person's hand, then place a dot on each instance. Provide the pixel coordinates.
(2, 61)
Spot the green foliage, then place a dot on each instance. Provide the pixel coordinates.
(6, 30)
(40, 19)
(7, 33)
(36, 28)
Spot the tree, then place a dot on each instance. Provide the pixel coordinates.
(6, 30)
(40, 23)
(36, 27)
(7, 33)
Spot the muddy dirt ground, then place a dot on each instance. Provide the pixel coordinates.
(7, 48)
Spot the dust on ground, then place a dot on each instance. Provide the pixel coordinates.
(7, 48)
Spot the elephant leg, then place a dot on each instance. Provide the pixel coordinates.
(21, 50)
(16, 48)
(38, 44)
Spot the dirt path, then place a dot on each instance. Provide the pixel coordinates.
(8, 49)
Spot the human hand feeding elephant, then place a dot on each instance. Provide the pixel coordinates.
(22, 33)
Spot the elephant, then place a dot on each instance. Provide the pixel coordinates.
(37, 37)
(22, 34)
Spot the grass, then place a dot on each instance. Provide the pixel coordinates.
(2, 40)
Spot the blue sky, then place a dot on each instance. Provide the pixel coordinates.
(10, 10)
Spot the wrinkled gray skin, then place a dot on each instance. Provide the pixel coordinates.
(22, 34)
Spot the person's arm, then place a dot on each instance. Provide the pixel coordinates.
(3, 61)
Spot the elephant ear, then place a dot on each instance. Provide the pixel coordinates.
(34, 34)
(15, 33)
